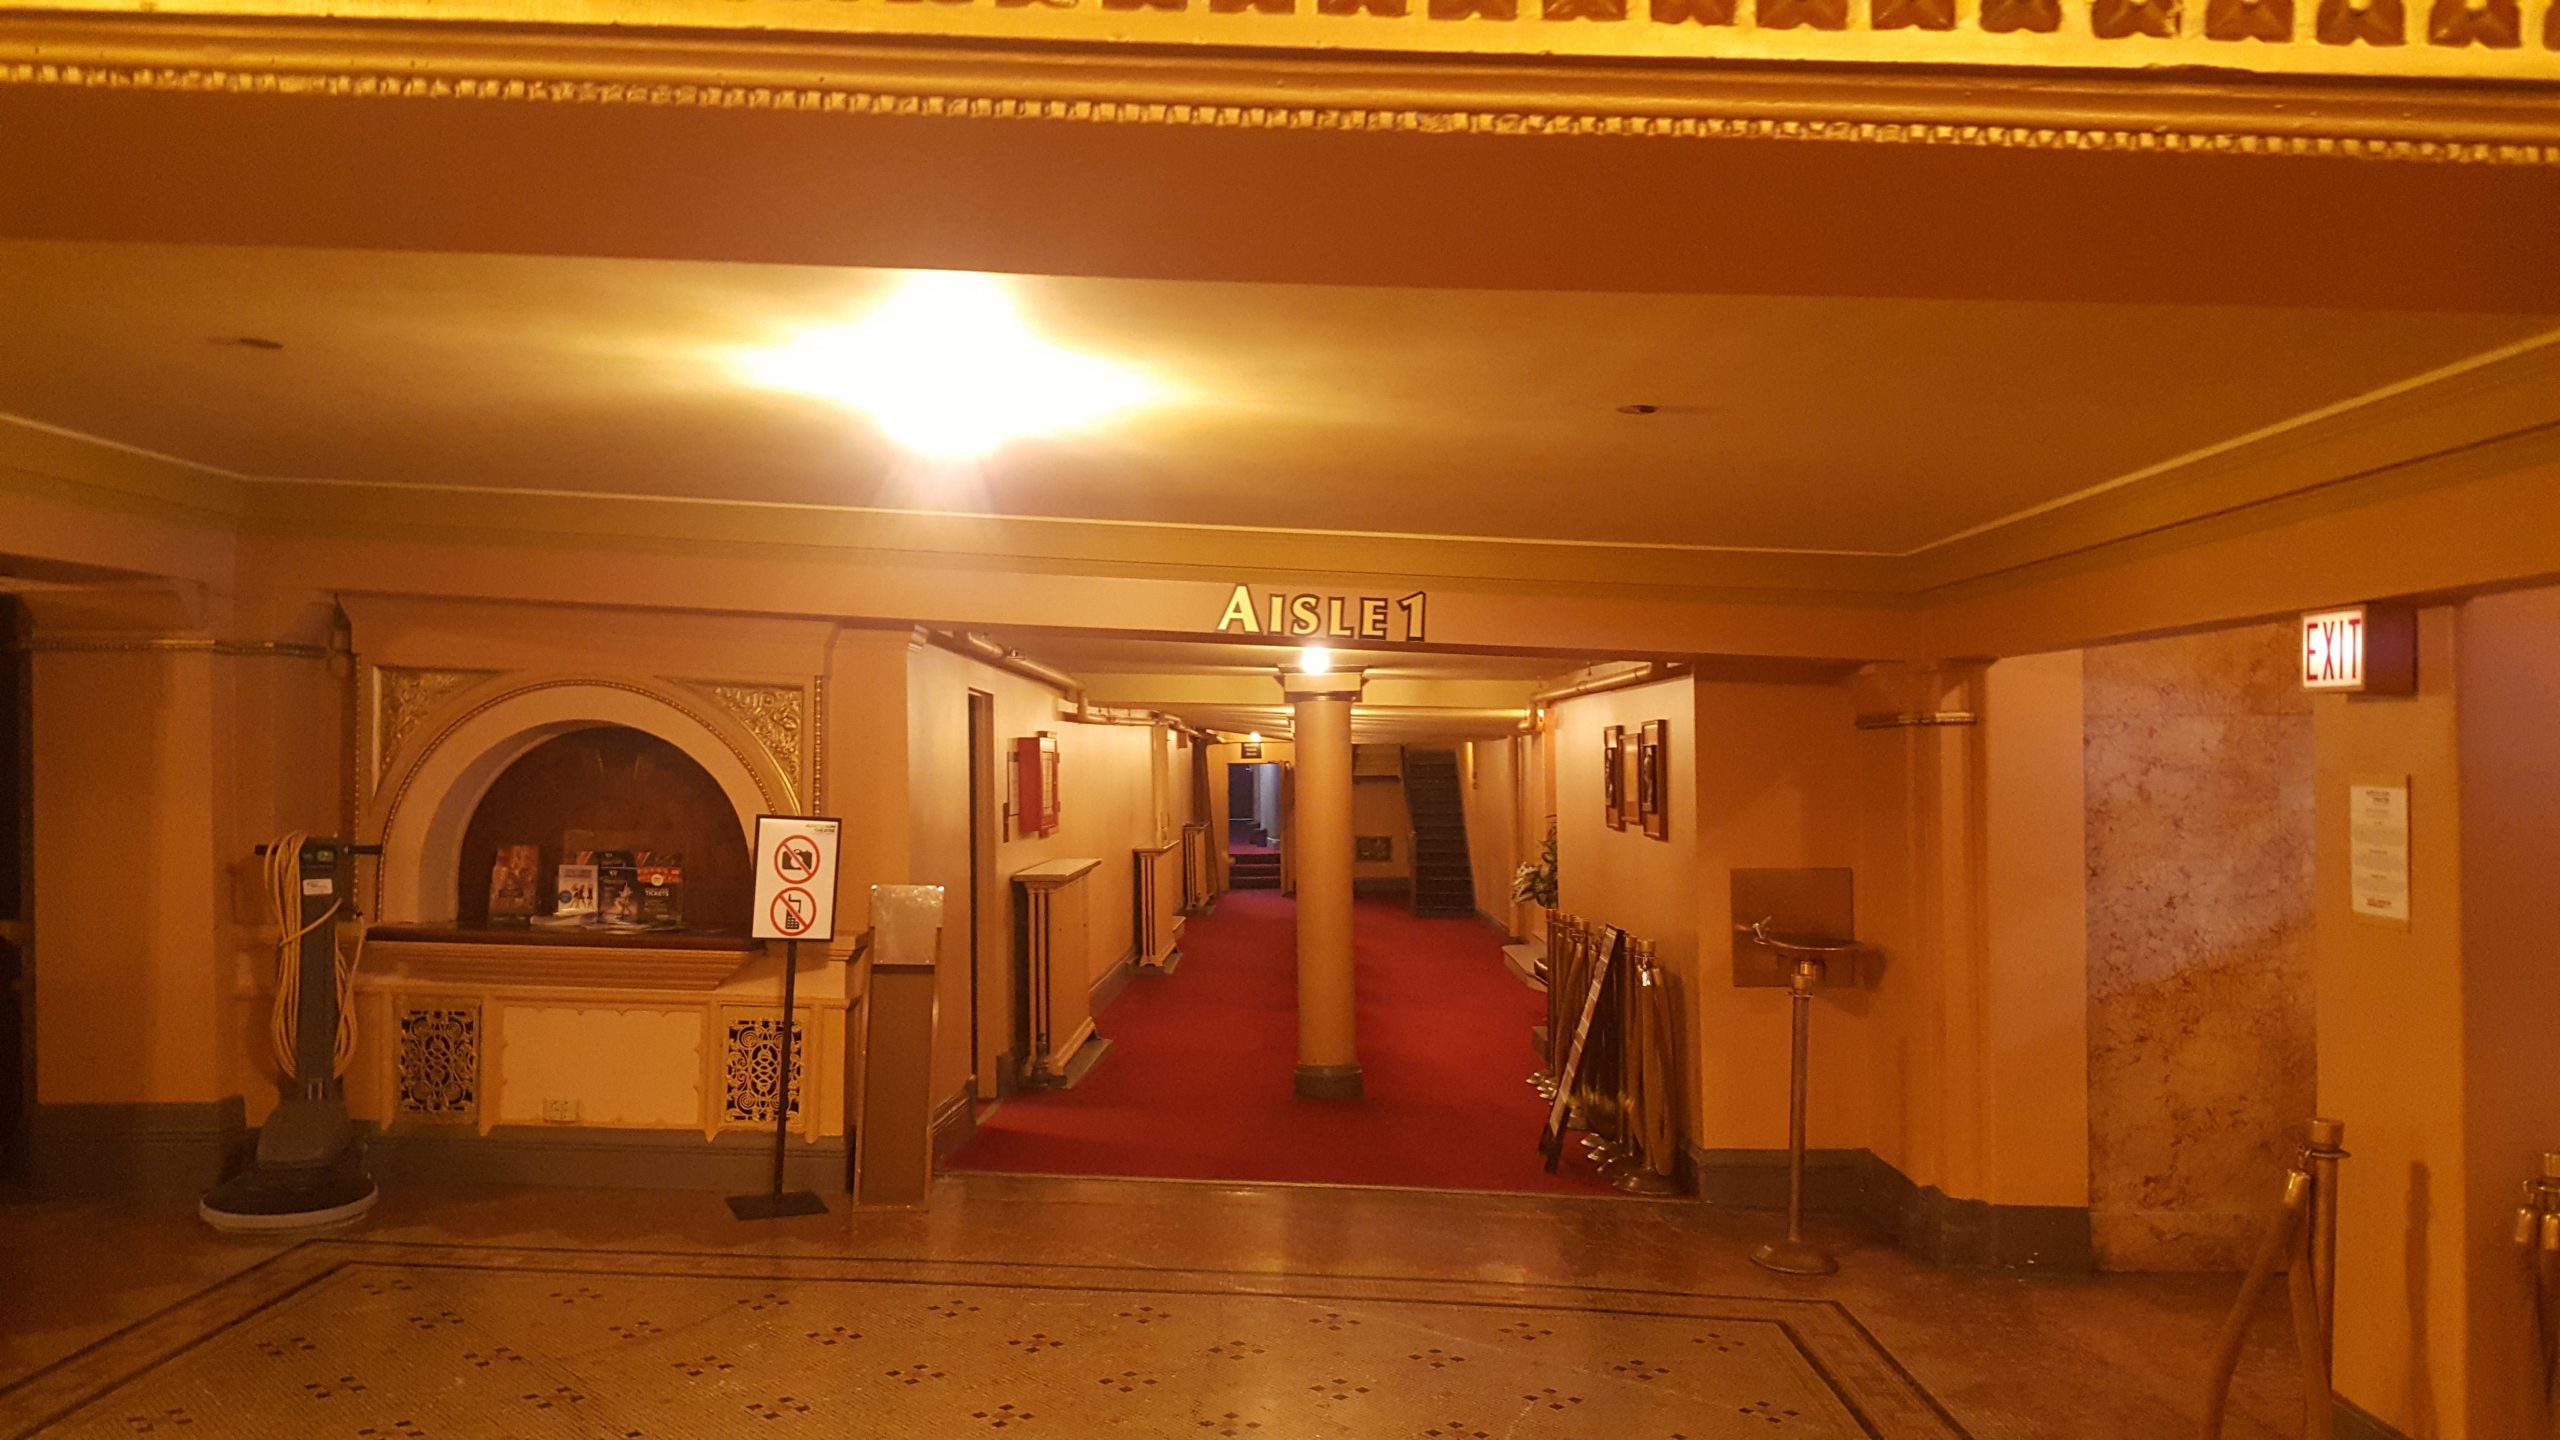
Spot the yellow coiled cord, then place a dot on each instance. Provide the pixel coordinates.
(284, 906)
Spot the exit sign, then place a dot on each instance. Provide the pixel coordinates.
(2361, 650)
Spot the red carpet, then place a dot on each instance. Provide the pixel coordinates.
(1197, 1084)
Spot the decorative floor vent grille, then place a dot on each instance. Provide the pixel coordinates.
(440, 1064)
(755, 1069)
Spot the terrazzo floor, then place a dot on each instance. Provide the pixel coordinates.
(1020, 1306)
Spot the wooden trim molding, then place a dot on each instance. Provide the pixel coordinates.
(1900, 95)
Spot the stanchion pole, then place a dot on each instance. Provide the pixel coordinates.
(2322, 1155)
(775, 1203)
(1796, 1255)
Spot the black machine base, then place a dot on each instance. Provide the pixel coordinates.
(266, 1198)
(776, 1207)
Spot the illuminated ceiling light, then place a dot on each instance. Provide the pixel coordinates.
(1315, 660)
(1254, 739)
(947, 368)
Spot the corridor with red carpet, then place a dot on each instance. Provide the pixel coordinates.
(1198, 1081)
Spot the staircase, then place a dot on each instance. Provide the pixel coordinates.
(1255, 871)
(1443, 882)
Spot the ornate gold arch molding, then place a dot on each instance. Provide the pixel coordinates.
(412, 714)
(2183, 82)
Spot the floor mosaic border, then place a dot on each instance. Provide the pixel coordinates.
(1883, 1398)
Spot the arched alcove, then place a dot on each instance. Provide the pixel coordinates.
(611, 788)
(429, 806)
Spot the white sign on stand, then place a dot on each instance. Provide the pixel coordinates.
(795, 877)
(2378, 849)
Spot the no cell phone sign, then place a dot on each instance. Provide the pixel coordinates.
(795, 877)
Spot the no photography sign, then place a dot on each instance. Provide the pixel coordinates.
(795, 877)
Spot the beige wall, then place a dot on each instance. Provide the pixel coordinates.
(1775, 788)
(2508, 730)
(1644, 886)
(156, 773)
(2035, 924)
(1499, 836)
(2392, 1053)
(1378, 808)
(1109, 803)
(2199, 777)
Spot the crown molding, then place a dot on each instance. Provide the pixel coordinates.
(2505, 122)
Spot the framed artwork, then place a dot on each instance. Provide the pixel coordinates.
(1652, 777)
(1613, 789)
(1250, 752)
(1373, 847)
(1035, 784)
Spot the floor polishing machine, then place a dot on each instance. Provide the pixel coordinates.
(309, 1172)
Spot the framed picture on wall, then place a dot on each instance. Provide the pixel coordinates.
(1373, 848)
(1613, 794)
(1652, 788)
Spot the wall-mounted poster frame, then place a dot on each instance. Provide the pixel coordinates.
(1613, 796)
(1035, 785)
(1652, 790)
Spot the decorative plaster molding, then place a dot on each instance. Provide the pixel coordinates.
(1891, 99)
(773, 714)
(402, 698)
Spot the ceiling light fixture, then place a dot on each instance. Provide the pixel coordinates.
(946, 367)
(1254, 739)
(1315, 660)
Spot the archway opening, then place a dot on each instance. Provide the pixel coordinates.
(609, 821)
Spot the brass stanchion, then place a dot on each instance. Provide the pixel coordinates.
(1654, 1096)
(2301, 1238)
(2538, 1241)
(1796, 1255)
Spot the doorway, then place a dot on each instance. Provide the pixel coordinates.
(1257, 824)
(991, 1052)
(15, 823)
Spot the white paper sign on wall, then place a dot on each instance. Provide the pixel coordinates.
(2378, 849)
(796, 877)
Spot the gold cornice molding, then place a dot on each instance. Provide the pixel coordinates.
(2512, 120)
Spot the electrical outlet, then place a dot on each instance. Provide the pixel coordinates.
(563, 1112)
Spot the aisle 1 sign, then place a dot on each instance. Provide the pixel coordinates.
(795, 877)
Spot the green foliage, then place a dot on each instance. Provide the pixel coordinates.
(1535, 880)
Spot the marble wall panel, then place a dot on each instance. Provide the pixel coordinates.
(2197, 754)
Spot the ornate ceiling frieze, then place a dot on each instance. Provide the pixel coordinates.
(2204, 76)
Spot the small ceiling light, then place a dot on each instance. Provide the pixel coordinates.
(946, 367)
(1254, 739)
(1315, 660)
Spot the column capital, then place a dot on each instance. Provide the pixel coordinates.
(1332, 685)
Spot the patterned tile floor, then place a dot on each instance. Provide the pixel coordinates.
(1066, 1308)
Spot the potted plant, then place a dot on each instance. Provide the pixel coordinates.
(1535, 880)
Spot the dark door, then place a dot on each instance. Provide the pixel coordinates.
(984, 905)
(16, 825)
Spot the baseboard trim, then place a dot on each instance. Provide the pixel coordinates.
(1112, 981)
(2354, 1422)
(1924, 1221)
(732, 1162)
(954, 1121)
(150, 1146)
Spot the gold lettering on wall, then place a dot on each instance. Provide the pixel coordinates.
(1340, 617)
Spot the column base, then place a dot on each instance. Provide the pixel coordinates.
(1329, 1082)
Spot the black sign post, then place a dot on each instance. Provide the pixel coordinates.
(795, 886)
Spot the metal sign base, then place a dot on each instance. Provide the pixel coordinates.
(776, 1207)
(1794, 1257)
